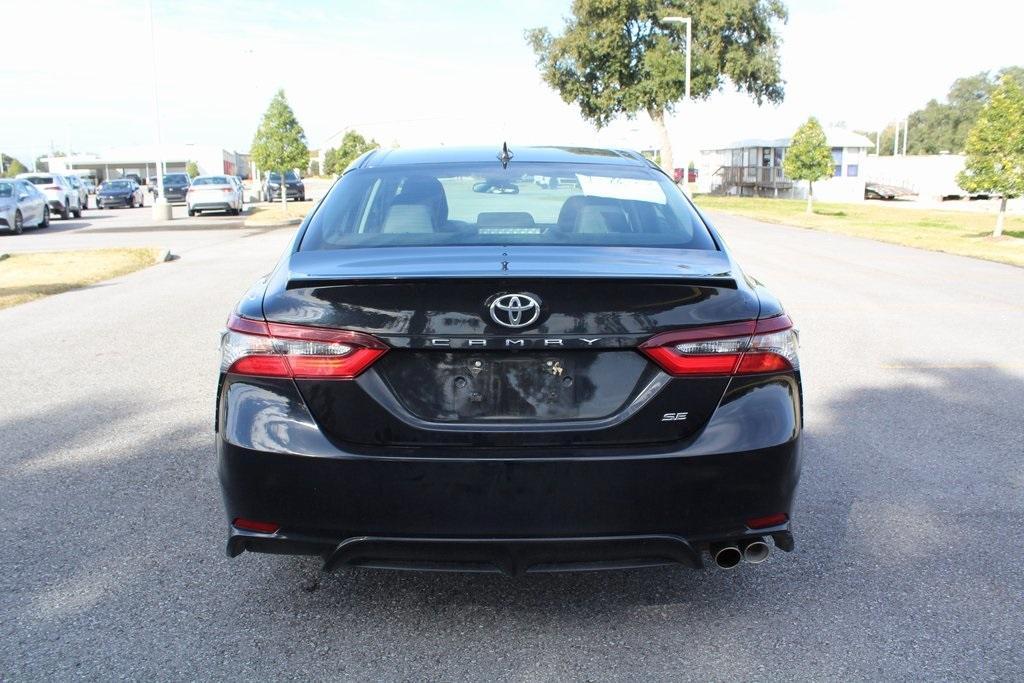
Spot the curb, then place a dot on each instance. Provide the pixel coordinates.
(272, 224)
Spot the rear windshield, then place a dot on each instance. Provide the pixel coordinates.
(212, 180)
(41, 180)
(538, 204)
(175, 179)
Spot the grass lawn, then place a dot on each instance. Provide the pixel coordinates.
(269, 214)
(954, 232)
(24, 277)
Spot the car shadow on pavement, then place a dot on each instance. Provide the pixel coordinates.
(58, 226)
(907, 518)
(910, 498)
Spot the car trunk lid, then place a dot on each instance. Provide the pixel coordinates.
(457, 376)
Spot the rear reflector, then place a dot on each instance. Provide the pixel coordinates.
(746, 348)
(767, 521)
(254, 525)
(253, 347)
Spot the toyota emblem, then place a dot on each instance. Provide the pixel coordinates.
(515, 310)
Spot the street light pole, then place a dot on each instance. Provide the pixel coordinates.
(688, 21)
(161, 209)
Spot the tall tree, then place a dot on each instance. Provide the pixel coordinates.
(280, 143)
(617, 57)
(336, 160)
(995, 148)
(808, 157)
(10, 166)
(943, 126)
(14, 168)
(192, 169)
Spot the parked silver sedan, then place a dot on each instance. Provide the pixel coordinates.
(22, 206)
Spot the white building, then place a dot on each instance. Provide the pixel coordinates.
(753, 167)
(118, 161)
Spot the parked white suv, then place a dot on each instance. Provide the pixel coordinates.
(61, 197)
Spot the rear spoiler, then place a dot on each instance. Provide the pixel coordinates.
(312, 282)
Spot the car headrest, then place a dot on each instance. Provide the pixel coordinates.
(408, 218)
(600, 220)
(427, 191)
(581, 213)
(569, 211)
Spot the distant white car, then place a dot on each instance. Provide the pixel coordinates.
(62, 198)
(214, 193)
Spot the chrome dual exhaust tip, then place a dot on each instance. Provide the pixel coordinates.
(729, 555)
(726, 555)
(756, 551)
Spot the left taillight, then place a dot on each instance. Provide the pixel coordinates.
(746, 348)
(261, 349)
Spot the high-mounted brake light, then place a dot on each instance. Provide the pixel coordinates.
(746, 348)
(253, 347)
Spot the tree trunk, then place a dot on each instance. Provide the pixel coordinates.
(999, 217)
(284, 194)
(810, 195)
(658, 118)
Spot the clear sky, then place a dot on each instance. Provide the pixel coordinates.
(441, 72)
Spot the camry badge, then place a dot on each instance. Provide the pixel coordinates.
(515, 310)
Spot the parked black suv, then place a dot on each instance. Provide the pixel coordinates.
(560, 378)
(175, 186)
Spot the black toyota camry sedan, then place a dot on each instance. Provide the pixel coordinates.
(553, 379)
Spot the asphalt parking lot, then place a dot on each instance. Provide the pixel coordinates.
(908, 562)
(136, 227)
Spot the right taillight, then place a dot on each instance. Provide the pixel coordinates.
(746, 348)
(257, 348)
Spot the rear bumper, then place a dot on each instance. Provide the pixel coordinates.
(293, 193)
(494, 510)
(506, 516)
(211, 206)
(512, 556)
